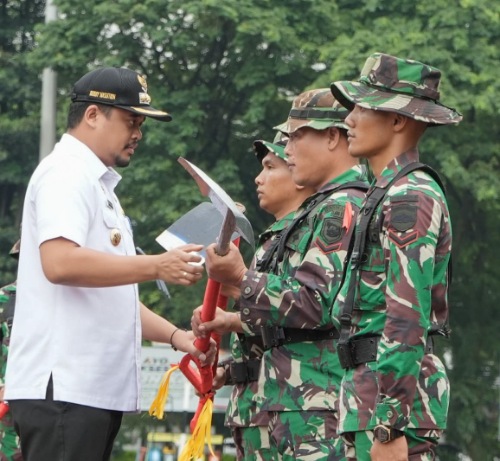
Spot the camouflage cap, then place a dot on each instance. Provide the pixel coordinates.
(277, 147)
(404, 86)
(16, 248)
(315, 109)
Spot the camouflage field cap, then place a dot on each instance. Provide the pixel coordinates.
(404, 86)
(315, 109)
(277, 147)
(14, 251)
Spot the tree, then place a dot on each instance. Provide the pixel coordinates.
(19, 117)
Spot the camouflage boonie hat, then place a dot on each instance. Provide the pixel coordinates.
(16, 248)
(277, 147)
(315, 109)
(404, 86)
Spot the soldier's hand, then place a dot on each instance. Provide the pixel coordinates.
(223, 322)
(228, 269)
(219, 379)
(395, 450)
(230, 291)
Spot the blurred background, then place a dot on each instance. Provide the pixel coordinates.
(227, 70)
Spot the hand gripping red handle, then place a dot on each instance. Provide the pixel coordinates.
(202, 378)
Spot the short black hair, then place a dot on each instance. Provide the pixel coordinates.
(77, 110)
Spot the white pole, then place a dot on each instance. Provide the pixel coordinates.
(49, 89)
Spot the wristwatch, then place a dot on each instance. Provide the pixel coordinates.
(385, 434)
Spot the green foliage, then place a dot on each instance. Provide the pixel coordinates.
(227, 70)
(19, 118)
(461, 38)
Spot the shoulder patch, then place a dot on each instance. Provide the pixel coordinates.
(403, 216)
(331, 230)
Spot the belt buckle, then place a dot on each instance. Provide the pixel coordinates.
(345, 355)
(272, 336)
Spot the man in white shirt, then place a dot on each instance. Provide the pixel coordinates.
(74, 363)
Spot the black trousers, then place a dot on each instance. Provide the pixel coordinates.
(60, 431)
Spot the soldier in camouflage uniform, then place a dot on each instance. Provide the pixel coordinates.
(395, 391)
(9, 441)
(290, 302)
(281, 197)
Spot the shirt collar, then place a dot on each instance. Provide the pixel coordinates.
(356, 173)
(107, 175)
(395, 166)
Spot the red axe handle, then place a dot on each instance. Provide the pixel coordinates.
(202, 381)
(4, 409)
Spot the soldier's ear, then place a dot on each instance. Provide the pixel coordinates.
(333, 137)
(399, 121)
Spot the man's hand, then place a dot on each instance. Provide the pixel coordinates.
(181, 266)
(184, 341)
(223, 322)
(395, 450)
(228, 269)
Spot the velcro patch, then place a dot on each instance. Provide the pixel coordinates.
(403, 216)
(331, 234)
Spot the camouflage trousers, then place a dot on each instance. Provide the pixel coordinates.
(9, 442)
(421, 444)
(252, 444)
(306, 435)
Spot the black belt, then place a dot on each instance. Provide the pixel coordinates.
(364, 350)
(277, 336)
(242, 372)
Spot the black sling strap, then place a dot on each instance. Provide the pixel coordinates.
(275, 253)
(358, 256)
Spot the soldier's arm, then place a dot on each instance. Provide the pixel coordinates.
(409, 237)
(302, 293)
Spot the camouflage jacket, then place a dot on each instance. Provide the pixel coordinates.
(401, 294)
(7, 295)
(243, 410)
(300, 294)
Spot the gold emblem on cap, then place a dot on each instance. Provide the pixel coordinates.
(144, 98)
(143, 83)
(115, 237)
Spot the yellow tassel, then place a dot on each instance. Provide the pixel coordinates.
(201, 433)
(157, 407)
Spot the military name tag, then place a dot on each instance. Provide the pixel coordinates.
(115, 237)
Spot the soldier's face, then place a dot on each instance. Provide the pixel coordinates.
(275, 187)
(308, 159)
(370, 132)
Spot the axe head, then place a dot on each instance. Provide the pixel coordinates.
(221, 201)
(200, 225)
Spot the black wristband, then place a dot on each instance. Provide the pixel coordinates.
(172, 335)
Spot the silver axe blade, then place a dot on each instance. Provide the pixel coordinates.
(234, 219)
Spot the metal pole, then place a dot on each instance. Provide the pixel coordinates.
(49, 90)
